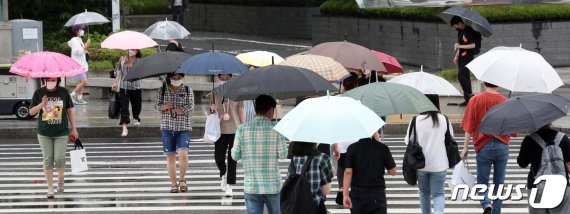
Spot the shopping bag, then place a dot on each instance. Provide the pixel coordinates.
(212, 130)
(114, 106)
(461, 175)
(78, 158)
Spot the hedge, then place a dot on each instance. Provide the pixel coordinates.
(511, 13)
(145, 7)
(273, 3)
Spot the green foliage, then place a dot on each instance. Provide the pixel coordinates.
(450, 74)
(511, 13)
(271, 3)
(143, 7)
(100, 66)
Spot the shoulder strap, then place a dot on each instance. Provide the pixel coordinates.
(308, 163)
(162, 91)
(538, 140)
(413, 129)
(558, 138)
(187, 90)
(447, 124)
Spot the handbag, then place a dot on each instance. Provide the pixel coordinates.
(451, 147)
(414, 158)
(114, 106)
(78, 158)
(461, 175)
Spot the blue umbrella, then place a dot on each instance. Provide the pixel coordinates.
(212, 63)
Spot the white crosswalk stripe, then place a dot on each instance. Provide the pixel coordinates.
(129, 176)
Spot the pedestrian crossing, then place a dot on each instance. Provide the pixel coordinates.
(129, 176)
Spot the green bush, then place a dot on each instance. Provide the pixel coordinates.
(450, 74)
(272, 3)
(142, 7)
(100, 66)
(511, 13)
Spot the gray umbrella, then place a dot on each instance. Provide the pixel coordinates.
(156, 65)
(526, 113)
(471, 18)
(278, 81)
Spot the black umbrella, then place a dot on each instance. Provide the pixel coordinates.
(281, 82)
(471, 18)
(156, 65)
(526, 113)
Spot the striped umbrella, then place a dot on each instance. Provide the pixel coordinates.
(326, 67)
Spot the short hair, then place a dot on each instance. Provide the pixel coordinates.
(455, 20)
(302, 148)
(264, 103)
(490, 85)
(350, 82)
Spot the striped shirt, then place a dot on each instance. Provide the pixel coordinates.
(319, 174)
(183, 99)
(260, 148)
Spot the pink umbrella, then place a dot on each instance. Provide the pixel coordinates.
(46, 64)
(128, 40)
(390, 62)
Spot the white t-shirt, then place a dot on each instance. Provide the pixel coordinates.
(78, 52)
(432, 141)
(344, 146)
(177, 2)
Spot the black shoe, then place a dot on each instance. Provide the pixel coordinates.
(463, 103)
(488, 210)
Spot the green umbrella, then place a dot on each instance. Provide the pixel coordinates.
(386, 98)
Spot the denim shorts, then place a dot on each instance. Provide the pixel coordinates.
(81, 76)
(173, 141)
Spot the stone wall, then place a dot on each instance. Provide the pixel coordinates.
(431, 44)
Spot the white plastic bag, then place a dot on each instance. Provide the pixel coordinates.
(78, 158)
(212, 130)
(461, 175)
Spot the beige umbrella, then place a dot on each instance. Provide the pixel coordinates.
(324, 66)
(349, 55)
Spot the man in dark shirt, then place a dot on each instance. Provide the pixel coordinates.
(469, 41)
(365, 163)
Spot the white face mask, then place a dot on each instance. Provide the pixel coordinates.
(132, 53)
(81, 32)
(176, 82)
(51, 85)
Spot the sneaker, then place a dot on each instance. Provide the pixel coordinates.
(229, 191)
(224, 183)
(81, 102)
(137, 124)
(488, 210)
(125, 133)
(74, 99)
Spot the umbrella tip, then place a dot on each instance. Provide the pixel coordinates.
(328, 95)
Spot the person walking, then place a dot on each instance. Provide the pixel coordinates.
(531, 153)
(491, 150)
(365, 164)
(259, 147)
(129, 91)
(231, 115)
(56, 117)
(319, 174)
(467, 46)
(430, 129)
(79, 54)
(178, 7)
(175, 102)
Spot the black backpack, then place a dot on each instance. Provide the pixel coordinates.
(296, 196)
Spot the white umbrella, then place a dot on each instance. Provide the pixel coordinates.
(87, 18)
(329, 120)
(427, 83)
(166, 30)
(516, 69)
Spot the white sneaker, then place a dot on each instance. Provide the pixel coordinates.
(125, 133)
(137, 124)
(224, 183)
(229, 192)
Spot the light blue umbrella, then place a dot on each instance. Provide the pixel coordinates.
(329, 120)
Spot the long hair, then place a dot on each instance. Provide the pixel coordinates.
(434, 117)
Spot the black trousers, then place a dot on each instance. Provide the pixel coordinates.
(222, 147)
(135, 99)
(366, 201)
(464, 76)
(178, 14)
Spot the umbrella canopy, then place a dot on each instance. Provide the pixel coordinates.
(260, 58)
(349, 55)
(386, 98)
(322, 65)
(157, 64)
(471, 18)
(526, 113)
(126, 40)
(87, 18)
(329, 120)
(427, 83)
(166, 30)
(212, 63)
(279, 81)
(391, 63)
(516, 69)
(46, 64)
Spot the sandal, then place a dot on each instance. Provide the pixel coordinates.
(50, 194)
(174, 189)
(183, 188)
(60, 186)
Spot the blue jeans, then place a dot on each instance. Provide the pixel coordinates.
(493, 153)
(254, 203)
(432, 187)
(173, 141)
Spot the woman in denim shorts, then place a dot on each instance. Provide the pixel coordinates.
(175, 102)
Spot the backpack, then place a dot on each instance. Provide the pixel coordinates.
(552, 162)
(296, 195)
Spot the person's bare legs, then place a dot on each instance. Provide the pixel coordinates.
(48, 173)
(60, 174)
(79, 88)
(171, 167)
(183, 161)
